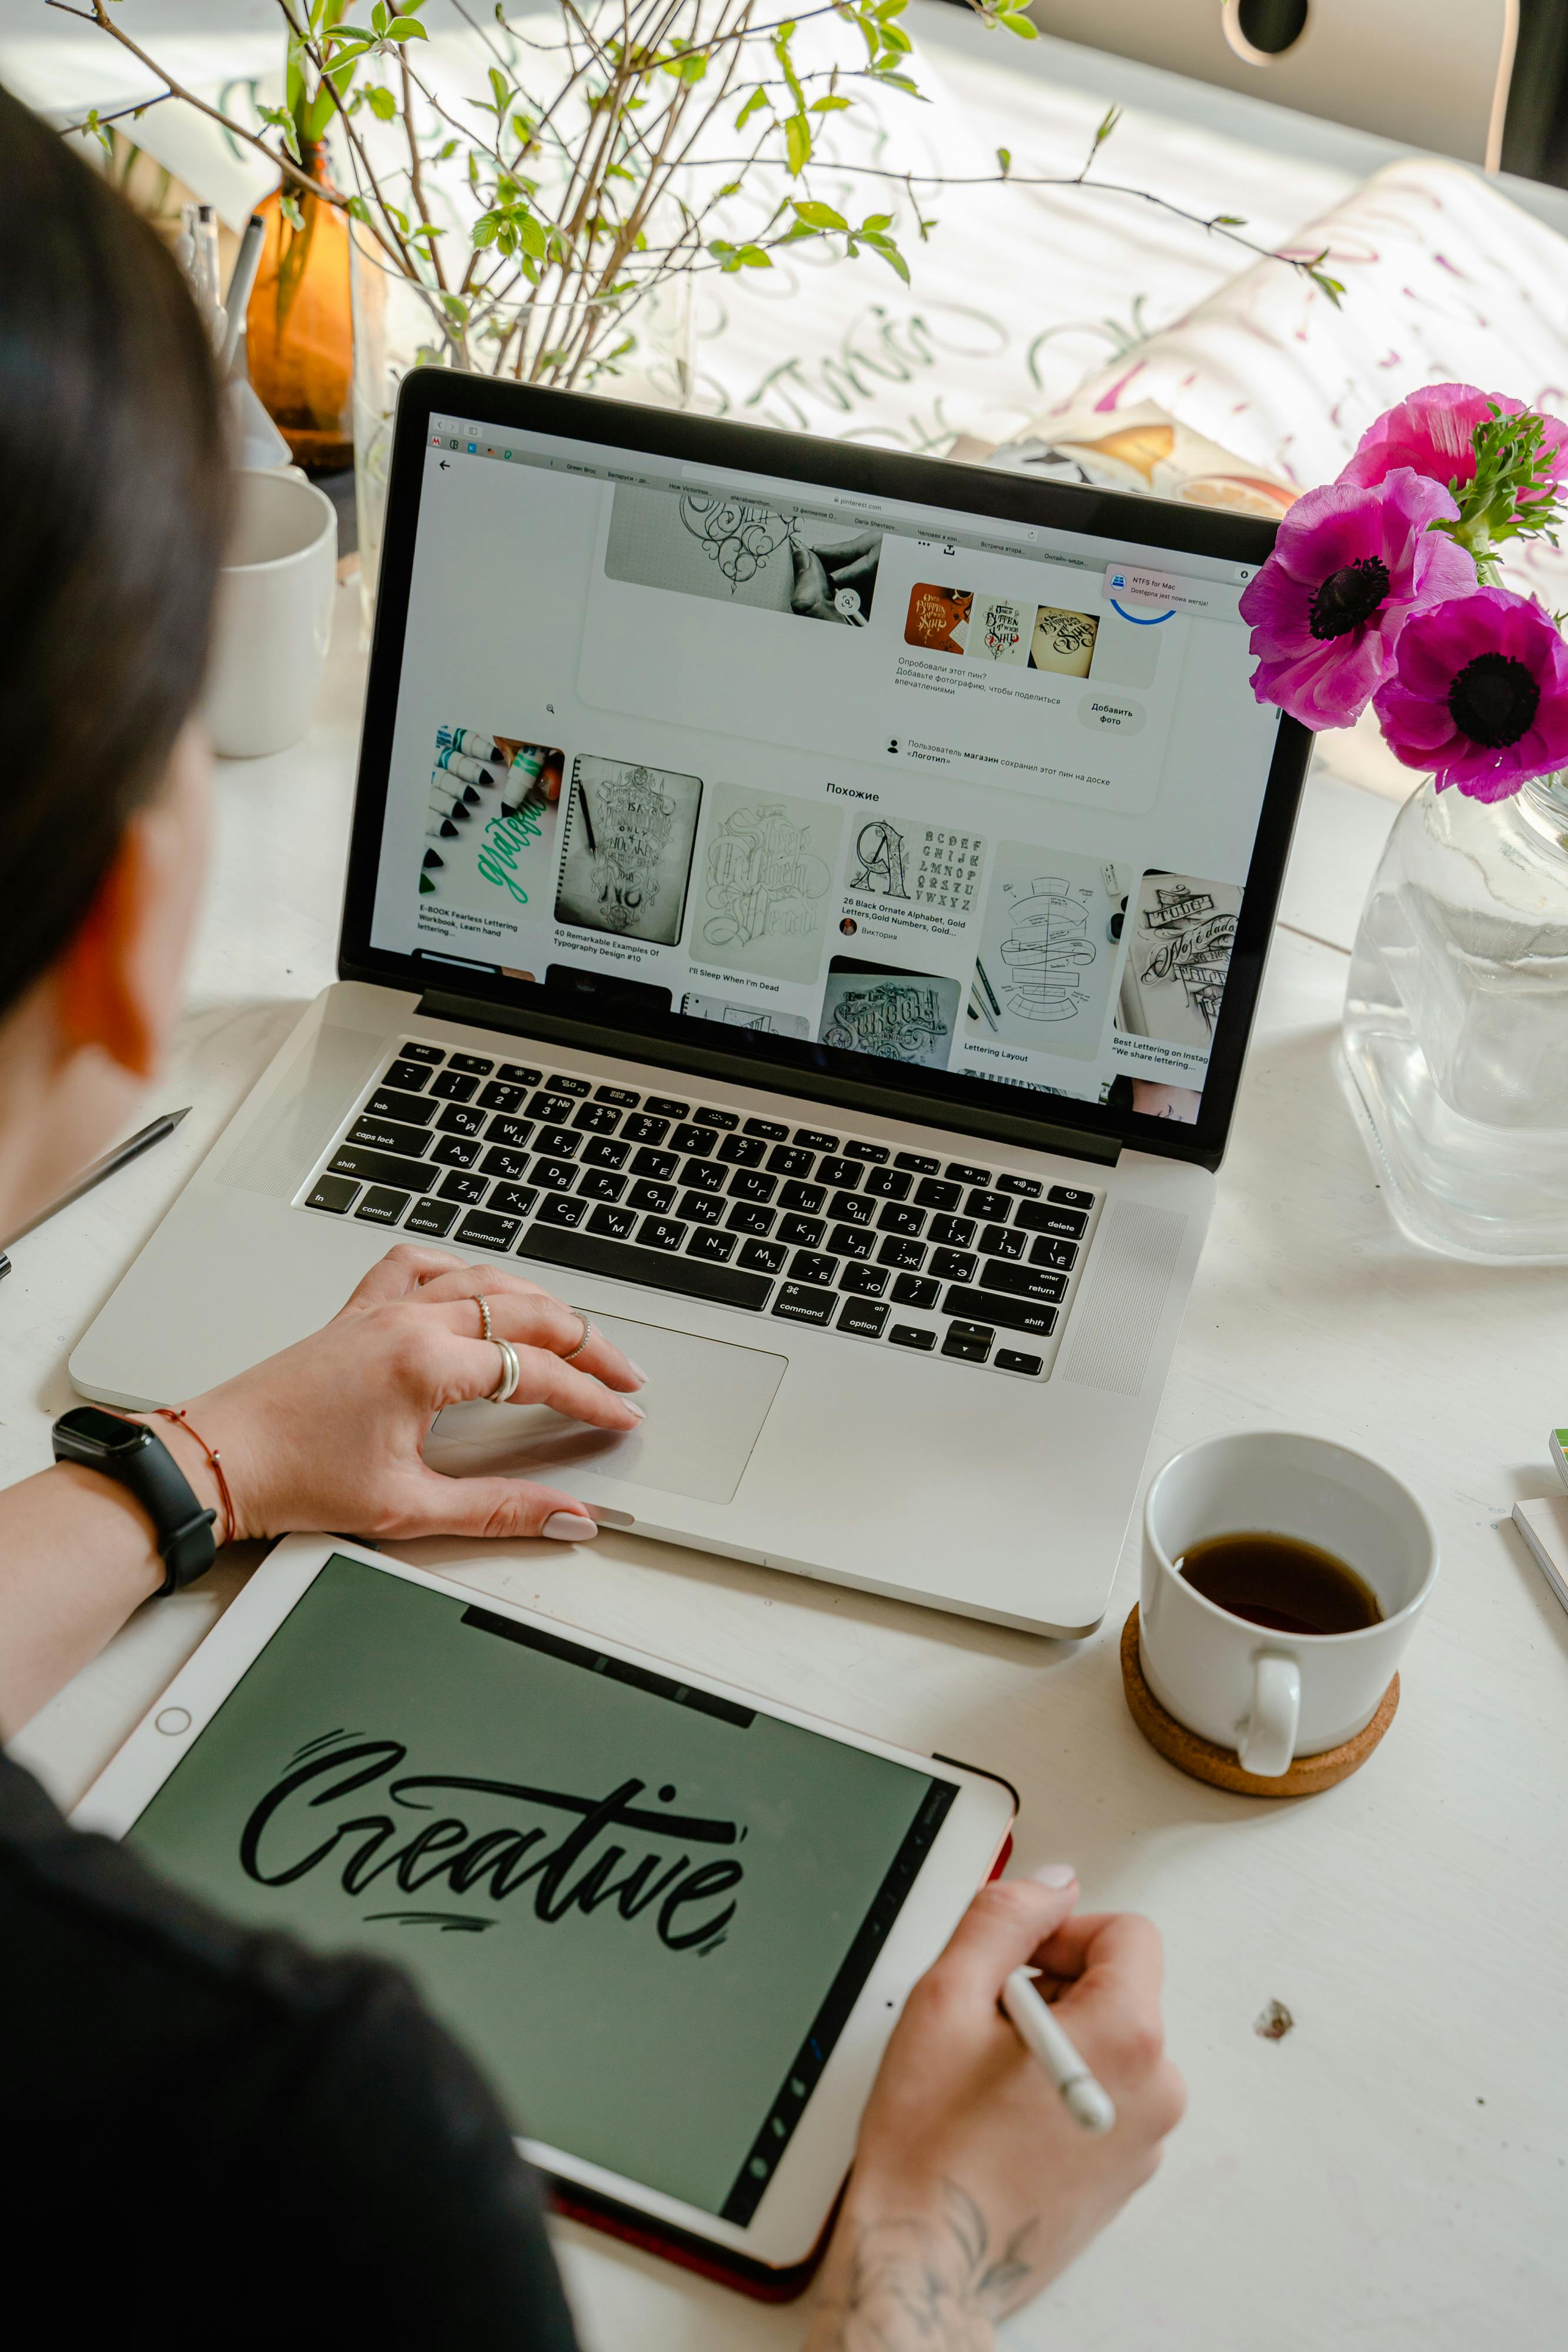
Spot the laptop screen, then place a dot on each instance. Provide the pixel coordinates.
(742, 757)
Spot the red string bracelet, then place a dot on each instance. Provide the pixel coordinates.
(177, 1412)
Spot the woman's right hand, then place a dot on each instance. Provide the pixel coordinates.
(329, 1434)
(972, 2186)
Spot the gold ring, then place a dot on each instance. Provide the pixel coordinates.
(482, 1304)
(573, 1353)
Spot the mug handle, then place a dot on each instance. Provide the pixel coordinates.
(1269, 1733)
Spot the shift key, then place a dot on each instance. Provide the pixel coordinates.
(379, 1166)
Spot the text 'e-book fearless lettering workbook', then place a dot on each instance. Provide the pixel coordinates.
(648, 1909)
(823, 766)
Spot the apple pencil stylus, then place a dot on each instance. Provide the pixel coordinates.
(1088, 2101)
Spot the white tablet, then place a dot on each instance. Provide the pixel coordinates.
(674, 1923)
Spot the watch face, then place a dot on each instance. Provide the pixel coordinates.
(102, 1432)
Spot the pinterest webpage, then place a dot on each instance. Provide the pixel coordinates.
(976, 796)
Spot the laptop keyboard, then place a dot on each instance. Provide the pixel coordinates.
(938, 1256)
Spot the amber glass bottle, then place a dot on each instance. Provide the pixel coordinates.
(300, 328)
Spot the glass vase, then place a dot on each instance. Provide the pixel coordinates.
(299, 329)
(640, 353)
(1456, 1022)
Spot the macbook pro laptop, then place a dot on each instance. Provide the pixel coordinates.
(806, 906)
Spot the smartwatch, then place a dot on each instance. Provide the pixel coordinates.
(129, 1452)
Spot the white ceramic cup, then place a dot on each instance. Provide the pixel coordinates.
(274, 615)
(1272, 1697)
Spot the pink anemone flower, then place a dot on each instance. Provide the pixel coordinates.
(1480, 693)
(1432, 433)
(1349, 567)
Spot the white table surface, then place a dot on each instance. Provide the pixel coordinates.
(1395, 2172)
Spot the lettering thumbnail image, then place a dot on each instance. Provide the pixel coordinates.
(1063, 641)
(1049, 945)
(626, 855)
(743, 550)
(939, 619)
(762, 1018)
(910, 865)
(1000, 630)
(490, 827)
(1183, 932)
(904, 1016)
(767, 866)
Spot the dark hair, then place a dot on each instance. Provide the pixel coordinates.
(113, 500)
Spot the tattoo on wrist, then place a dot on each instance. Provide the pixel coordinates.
(931, 2282)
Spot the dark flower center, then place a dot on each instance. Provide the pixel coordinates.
(1494, 700)
(1347, 597)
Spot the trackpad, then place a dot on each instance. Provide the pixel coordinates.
(706, 1401)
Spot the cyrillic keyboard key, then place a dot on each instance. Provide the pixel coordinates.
(552, 1175)
(1001, 1241)
(462, 1185)
(807, 1198)
(1012, 1360)
(660, 1165)
(741, 1151)
(660, 1233)
(1048, 1251)
(568, 1085)
(724, 1285)
(619, 1224)
(814, 1266)
(702, 1175)
(381, 1207)
(847, 1172)
(486, 1231)
(934, 1194)
(1068, 1196)
(987, 1204)
(762, 1257)
(1026, 1187)
(960, 1173)
(453, 1085)
(499, 1097)
(801, 1233)
(657, 1200)
(660, 1107)
(514, 1200)
(596, 1119)
(417, 1053)
(700, 1208)
(600, 1184)
(786, 1160)
(967, 1343)
(953, 1265)
(1023, 1281)
(912, 1335)
(990, 1307)
(458, 1151)
(915, 1290)
(717, 1249)
(433, 1218)
(387, 1135)
(748, 1217)
(698, 1140)
(333, 1193)
(897, 1251)
(462, 1118)
(518, 1074)
(622, 1097)
(378, 1168)
(509, 1164)
(751, 1185)
(641, 1129)
(861, 1318)
(388, 1102)
(864, 1281)
(899, 1217)
(474, 1063)
(850, 1209)
(552, 1107)
(801, 1304)
(768, 1129)
(514, 1133)
(555, 1211)
(811, 1139)
(849, 1241)
(887, 1184)
(605, 1151)
(408, 1073)
(1040, 1219)
(557, 1142)
(953, 1232)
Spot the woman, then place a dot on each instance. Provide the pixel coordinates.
(195, 2111)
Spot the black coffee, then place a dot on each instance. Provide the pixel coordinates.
(1274, 1580)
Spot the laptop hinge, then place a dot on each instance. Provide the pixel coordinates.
(813, 1086)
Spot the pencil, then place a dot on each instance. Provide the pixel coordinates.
(1088, 2101)
(123, 1153)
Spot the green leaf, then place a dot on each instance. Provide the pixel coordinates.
(1004, 159)
(1019, 25)
(797, 143)
(1229, 220)
(407, 28)
(896, 42)
(289, 204)
(758, 98)
(903, 82)
(382, 104)
(875, 221)
(817, 215)
(786, 66)
(754, 257)
(500, 90)
(891, 255)
(1108, 123)
(380, 17)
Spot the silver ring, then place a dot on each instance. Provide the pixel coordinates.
(573, 1354)
(482, 1304)
(511, 1373)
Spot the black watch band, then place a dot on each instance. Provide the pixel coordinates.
(129, 1452)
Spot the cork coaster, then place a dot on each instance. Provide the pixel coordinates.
(1218, 1766)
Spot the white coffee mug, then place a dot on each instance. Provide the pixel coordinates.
(274, 616)
(1270, 1696)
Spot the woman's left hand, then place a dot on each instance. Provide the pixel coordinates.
(329, 1434)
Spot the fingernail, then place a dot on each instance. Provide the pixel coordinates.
(1044, 1873)
(634, 1408)
(570, 1527)
(638, 1374)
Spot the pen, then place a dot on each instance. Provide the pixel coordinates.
(236, 301)
(1088, 2101)
(131, 1149)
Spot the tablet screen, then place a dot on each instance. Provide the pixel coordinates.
(647, 1910)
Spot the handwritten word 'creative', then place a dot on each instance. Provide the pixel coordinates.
(281, 1842)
